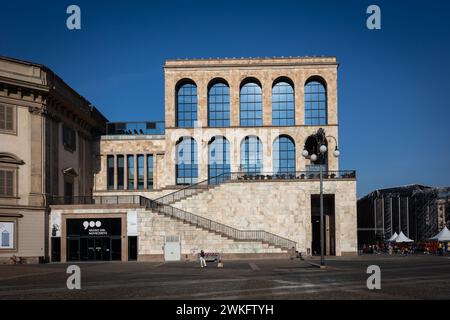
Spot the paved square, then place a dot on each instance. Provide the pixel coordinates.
(412, 277)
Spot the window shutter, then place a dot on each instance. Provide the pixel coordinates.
(2, 183)
(74, 139)
(9, 118)
(2, 117)
(9, 183)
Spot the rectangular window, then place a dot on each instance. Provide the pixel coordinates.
(110, 172)
(120, 172)
(140, 172)
(68, 189)
(149, 171)
(69, 138)
(7, 118)
(7, 183)
(130, 162)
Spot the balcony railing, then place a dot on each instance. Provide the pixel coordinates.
(77, 200)
(249, 177)
(135, 128)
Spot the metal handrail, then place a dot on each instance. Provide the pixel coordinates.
(228, 231)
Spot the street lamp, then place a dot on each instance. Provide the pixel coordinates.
(322, 150)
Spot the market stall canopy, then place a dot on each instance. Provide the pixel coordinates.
(444, 235)
(402, 238)
(394, 236)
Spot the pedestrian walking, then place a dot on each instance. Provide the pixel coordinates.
(202, 259)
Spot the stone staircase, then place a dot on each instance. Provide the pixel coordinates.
(196, 237)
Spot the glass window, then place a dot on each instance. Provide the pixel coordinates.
(186, 166)
(218, 158)
(149, 171)
(130, 172)
(140, 171)
(251, 155)
(315, 103)
(186, 105)
(7, 183)
(219, 105)
(283, 104)
(69, 138)
(110, 172)
(120, 172)
(283, 155)
(251, 105)
(7, 118)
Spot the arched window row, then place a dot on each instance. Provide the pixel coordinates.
(251, 102)
(284, 157)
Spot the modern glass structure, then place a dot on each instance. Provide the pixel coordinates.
(283, 104)
(186, 105)
(218, 157)
(120, 172)
(283, 151)
(186, 162)
(130, 172)
(251, 105)
(219, 105)
(149, 171)
(315, 103)
(251, 155)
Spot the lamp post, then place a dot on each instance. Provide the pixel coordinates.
(322, 150)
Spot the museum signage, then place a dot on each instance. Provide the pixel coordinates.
(93, 227)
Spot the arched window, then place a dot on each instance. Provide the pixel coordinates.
(186, 105)
(218, 159)
(315, 102)
(251, 155)
(186, 167)
(219, 105)
(283, 104)
(251, 104)
(283, 155)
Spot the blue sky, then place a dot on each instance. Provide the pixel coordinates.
(394, 83)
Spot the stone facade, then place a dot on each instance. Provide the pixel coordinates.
(282, 207)
(42, 106)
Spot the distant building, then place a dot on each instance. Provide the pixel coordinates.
(418, 211)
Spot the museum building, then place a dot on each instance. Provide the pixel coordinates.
(233, 169)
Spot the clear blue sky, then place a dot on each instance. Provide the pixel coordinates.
(394, 84)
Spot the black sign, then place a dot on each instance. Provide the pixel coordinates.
(94, 227)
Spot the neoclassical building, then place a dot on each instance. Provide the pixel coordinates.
(48, 136)
(233, 169)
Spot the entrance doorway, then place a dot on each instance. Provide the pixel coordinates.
(94, 239)
(329, 224)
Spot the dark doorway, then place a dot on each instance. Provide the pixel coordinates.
(94, 239)
(56, 249)
(132, 248)
(329, 224)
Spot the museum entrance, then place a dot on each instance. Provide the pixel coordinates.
(329, 224)
(94, 239)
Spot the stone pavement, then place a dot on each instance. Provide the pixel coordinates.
(412, 277)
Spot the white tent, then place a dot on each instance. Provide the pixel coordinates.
(402, 238)
(444, 235)
(394, 236)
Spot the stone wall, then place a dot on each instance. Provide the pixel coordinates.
(282, 208)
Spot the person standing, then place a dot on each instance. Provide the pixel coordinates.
(202, 259)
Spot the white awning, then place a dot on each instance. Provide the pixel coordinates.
(394, 236)
(402, 238)
(444, 235)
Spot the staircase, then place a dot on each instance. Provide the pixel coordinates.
(163, 206)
